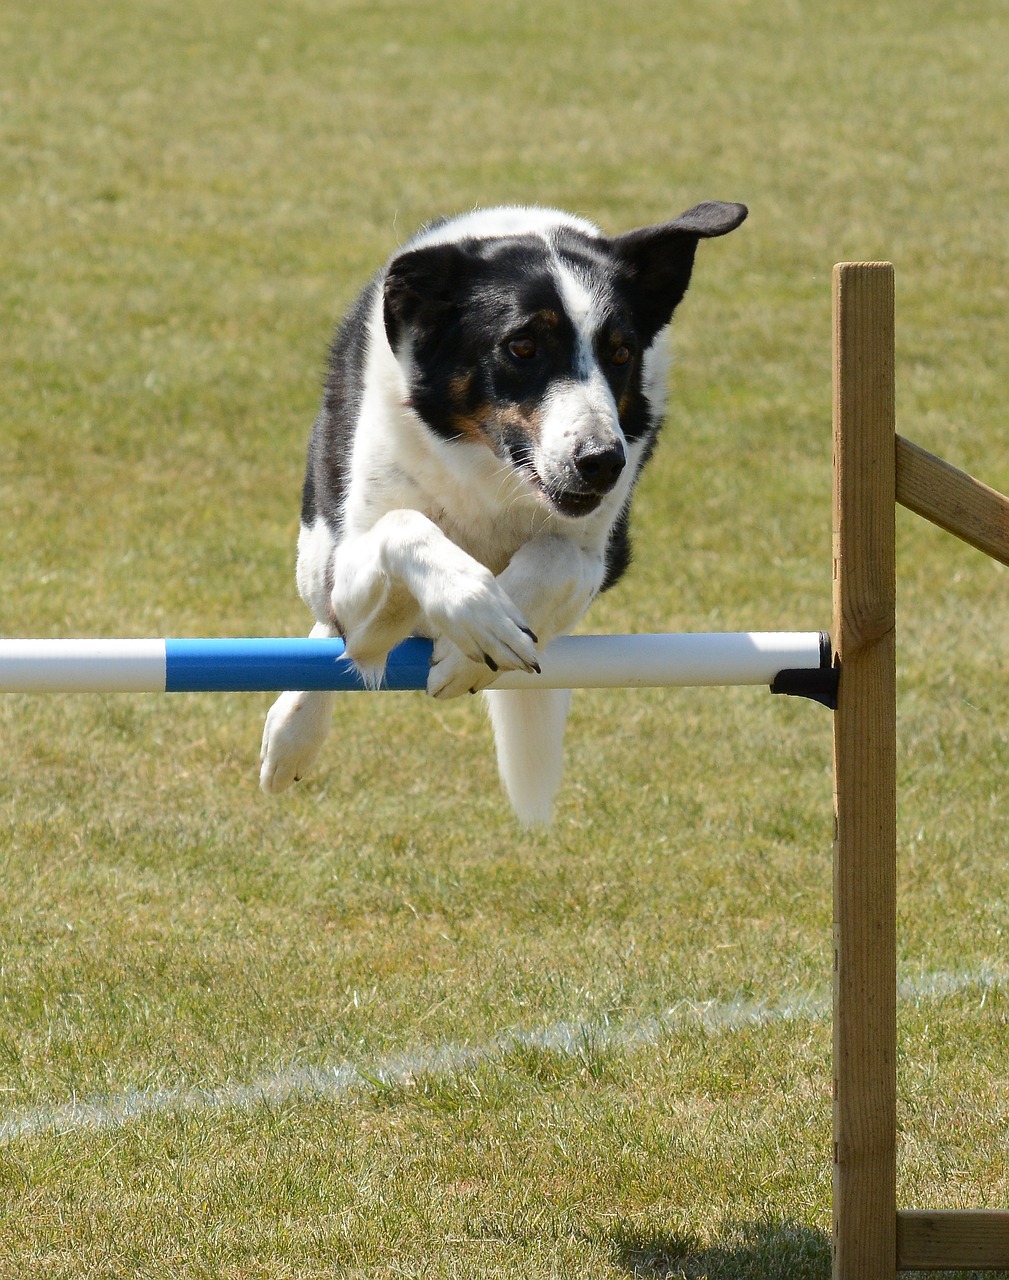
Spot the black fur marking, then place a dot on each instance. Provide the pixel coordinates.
(329, 443)
(461, 305)
(618, 551)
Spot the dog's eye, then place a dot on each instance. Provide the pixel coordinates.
(522, 348)
(620, 355)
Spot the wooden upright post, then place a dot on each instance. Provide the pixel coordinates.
(865, 979)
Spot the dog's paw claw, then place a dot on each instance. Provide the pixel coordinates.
(452, 673)
(480, 618)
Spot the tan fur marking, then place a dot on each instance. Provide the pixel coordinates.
(487, 422)
(460, 385)
(528, 420)
(470, 426)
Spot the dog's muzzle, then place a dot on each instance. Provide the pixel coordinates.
(596, 469)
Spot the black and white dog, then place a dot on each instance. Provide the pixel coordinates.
(490, 402)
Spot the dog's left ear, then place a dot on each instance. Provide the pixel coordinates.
(657, 261)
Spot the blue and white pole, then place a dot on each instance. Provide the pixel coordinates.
(570, 662)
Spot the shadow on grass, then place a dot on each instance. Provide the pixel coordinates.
(773, 1250)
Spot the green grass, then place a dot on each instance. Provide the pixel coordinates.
(191, 195)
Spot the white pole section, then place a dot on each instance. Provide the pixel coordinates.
(82, 666)
(668, 661)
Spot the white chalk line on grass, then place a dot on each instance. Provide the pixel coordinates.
(442, 1062)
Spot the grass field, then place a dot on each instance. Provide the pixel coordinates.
(373, 1029)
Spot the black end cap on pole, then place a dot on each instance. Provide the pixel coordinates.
(819, 684)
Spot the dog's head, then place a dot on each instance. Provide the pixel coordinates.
(528, 332)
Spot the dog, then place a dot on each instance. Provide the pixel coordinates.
(489, 403)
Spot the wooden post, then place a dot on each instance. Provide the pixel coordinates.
(865, 979)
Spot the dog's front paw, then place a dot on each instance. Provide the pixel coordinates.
(484, 624)
(453, 674)
(294, 732)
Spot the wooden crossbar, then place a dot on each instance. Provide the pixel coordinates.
(874, 469)
(954, 1239)
(953, 500)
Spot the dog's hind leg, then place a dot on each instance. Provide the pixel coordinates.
(529, 737)
(295, 729)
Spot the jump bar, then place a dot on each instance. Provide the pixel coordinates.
(265, 665)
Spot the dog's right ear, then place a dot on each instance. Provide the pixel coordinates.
(420, 286)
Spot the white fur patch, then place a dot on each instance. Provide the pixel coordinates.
(585, 307)
(504, 220)
(316, 545)
(575, 411)
(655, 365)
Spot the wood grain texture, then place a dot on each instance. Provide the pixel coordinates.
(947, 1240)
(953, 500)
(865, 979)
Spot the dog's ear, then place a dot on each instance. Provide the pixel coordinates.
(420, 285)
(657, 261)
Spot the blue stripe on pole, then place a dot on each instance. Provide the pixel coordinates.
(265, 665)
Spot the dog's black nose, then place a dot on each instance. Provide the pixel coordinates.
(600, 465)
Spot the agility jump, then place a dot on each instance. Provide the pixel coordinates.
(854, 671)
(789, 662)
